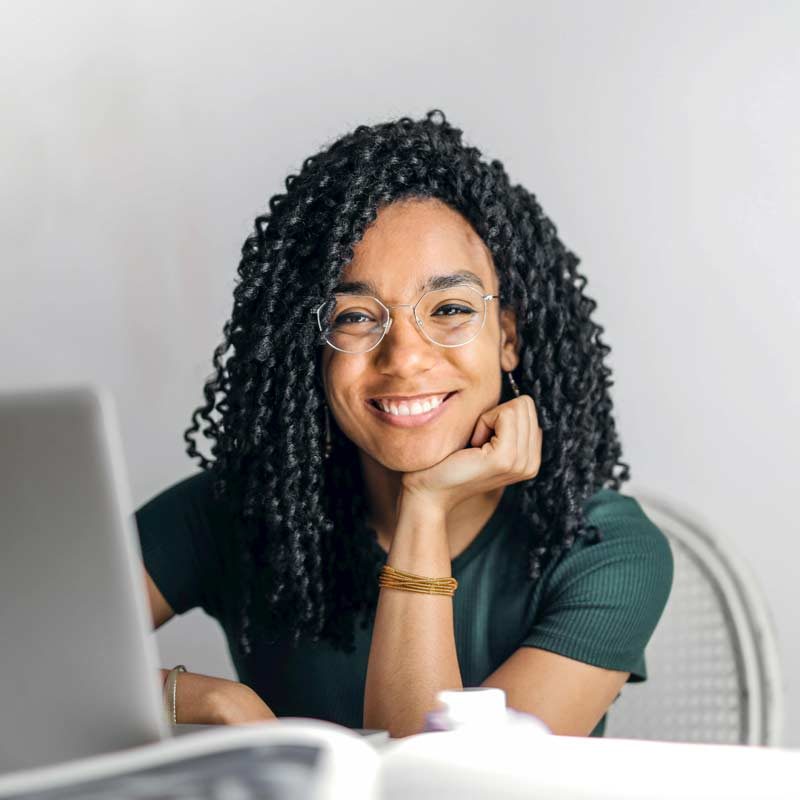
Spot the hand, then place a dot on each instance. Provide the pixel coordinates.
(236, 703)
(207, 700)
(506, 448)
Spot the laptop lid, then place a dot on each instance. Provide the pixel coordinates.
(78, 666)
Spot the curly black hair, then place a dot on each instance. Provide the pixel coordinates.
(303, 559)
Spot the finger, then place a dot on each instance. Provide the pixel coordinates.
(503, 447)
(481, 434)
(484, 427)
(524, 435)
(535, 443)
(534, 411)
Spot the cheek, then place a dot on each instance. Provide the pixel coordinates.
(341, 380)
(337, 374)
(483, 368)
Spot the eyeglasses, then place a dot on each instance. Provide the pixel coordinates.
(357, 323)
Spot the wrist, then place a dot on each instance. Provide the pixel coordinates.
(420, 543)
(415, 502)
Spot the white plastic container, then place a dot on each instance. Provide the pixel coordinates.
(477, 708)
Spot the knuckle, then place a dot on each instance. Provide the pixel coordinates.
(532, 470)
(529, 401)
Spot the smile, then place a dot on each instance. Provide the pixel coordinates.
(409, 412)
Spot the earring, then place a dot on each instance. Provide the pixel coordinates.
(328, 445)
(514, 387)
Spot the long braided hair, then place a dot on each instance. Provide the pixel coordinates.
(303, 560)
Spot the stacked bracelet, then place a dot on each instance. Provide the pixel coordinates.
(391, 578)
(171, 693)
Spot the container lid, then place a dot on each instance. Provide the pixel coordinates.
(478, 704)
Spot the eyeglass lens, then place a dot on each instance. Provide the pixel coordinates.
(449, 317)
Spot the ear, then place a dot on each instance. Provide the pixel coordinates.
(509, 340)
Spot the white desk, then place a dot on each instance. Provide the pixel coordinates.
(441, 766)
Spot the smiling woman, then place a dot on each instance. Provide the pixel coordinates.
(410, 383)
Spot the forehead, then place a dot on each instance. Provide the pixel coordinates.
(413, 242)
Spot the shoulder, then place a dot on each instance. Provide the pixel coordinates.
(630, 561)
(187, 515)
(196, 485)
(190, 496)
(603, 598)
(624, 525)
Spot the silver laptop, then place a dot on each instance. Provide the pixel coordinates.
(78, 667)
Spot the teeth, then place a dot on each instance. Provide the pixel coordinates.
(406, 410)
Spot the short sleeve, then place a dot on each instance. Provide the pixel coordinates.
(601, 601)
(179, 532)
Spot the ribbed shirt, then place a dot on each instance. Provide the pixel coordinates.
(598, 603)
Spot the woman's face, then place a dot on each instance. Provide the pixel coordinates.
(409, 243)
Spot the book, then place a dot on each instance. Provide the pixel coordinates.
(291, 758)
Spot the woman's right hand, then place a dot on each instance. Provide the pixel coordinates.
(203, 699)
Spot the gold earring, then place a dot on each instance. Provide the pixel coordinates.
(514, 387)
(328, 444)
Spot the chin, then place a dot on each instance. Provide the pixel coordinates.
(411, 462)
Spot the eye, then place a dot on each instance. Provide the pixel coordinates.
(452, 309)
(352, 318)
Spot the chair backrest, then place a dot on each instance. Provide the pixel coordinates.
(712, 664)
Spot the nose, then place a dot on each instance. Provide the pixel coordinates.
(404, 350)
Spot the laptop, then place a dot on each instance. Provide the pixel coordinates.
(78, 664)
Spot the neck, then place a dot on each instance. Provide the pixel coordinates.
(383, 488)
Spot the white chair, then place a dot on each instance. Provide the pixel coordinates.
(712, 663)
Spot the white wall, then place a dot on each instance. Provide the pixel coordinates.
(138, 141)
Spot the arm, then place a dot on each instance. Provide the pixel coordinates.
(413, 652)
(202, 698)
(160, 609)
(569, 696)
(413, 656)
(602, 605)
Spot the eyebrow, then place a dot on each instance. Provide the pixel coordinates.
(433, 282)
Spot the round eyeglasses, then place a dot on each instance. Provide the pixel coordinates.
(357, 323)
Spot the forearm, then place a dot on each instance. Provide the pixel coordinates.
(413, 652)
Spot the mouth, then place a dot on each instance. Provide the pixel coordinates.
(409, 412)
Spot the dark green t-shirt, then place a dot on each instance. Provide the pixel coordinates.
(598, 603)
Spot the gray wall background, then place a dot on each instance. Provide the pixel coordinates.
(139, 140)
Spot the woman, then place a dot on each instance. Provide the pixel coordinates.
(410, 384)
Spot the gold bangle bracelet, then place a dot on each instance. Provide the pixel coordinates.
(171, 693)
(391, 578)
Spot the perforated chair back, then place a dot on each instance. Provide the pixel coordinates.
(712, 664)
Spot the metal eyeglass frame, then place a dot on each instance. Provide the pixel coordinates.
(388, 324)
